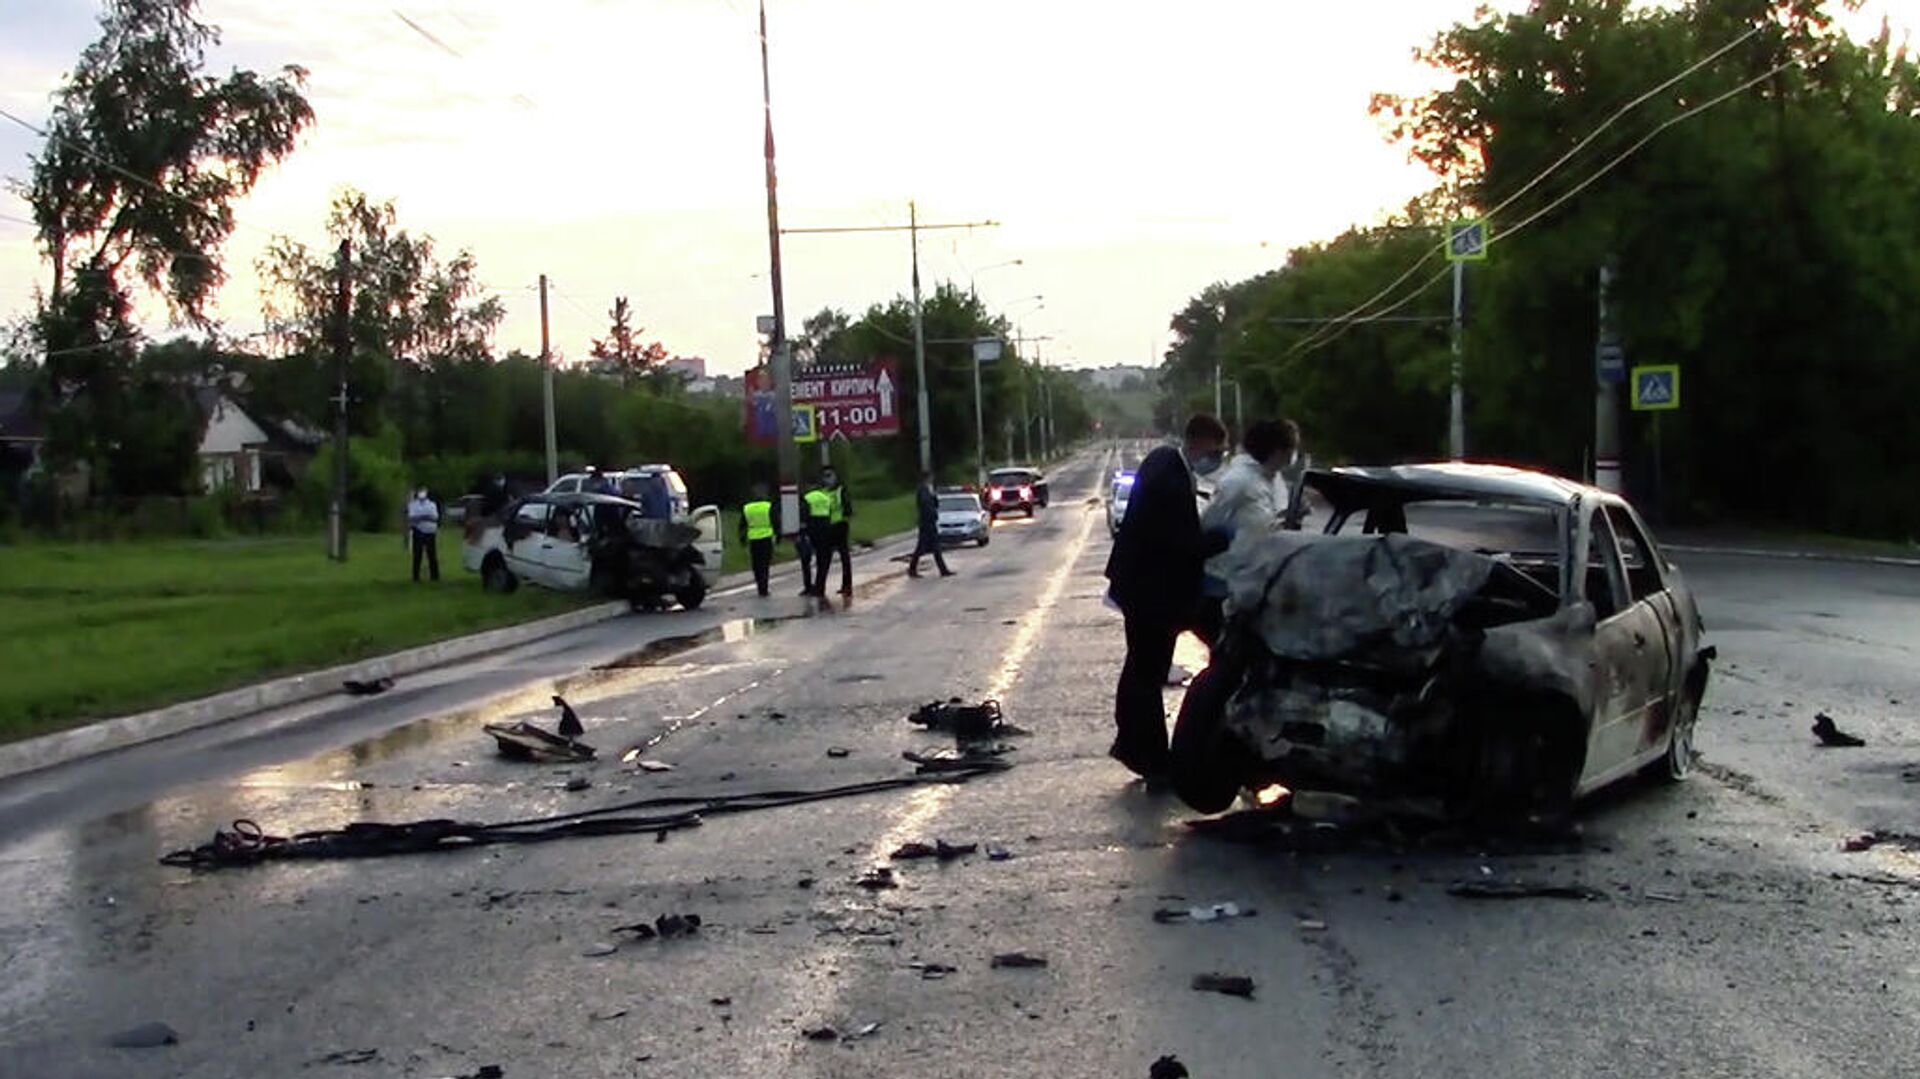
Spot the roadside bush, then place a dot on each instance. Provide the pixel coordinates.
(376, 485)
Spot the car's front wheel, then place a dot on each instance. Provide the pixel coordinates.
(1209, 764)
(692, 596)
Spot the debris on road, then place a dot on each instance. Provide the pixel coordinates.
(932, 972)
(613, 1013)
(600, 948)
(648, 764)
(578, 783)
(1167, 1067)
(346, 1057)
(1310, 925)
(720, 1002)
(1519, 889)
(1019, 960)
(820, 1034)
(1831, 736)
(827, 1033)
(1211, 912)
(1233, 985)
(878, 878)
(524, 741)
(666, 926)
(145, 1036)
(956, 759)
(966, 722)
(838, 752)
(997, 853)
(570, 725)
(939, 848)
(1854, 844)
(367, 688)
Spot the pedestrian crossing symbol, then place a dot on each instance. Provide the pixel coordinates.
(1467, 240)
(1656, 388)
(804, 427)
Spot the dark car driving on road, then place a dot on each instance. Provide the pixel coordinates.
(1475, 637)
(1015, 489)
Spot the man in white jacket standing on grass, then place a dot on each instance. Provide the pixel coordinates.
(1247, 498)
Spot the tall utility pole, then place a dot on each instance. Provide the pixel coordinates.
(1606, 394)
(342, 359)
(1020, 340)
(787, 454)
(914, 228)
(1457, 414)
(546, 388)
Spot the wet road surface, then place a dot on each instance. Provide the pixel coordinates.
(1736, 939)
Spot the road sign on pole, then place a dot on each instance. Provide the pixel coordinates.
(1610, 363)
(1467, 240)
(1656, 387)
(805, 424)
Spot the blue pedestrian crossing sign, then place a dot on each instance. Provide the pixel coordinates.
(805, 426)
(1656, 387)
(1467, 240)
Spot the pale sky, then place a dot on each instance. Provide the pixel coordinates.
(1132, 154)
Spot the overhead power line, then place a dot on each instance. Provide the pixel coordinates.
(1541, 176)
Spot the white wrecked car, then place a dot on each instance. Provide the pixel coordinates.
(1480, 638)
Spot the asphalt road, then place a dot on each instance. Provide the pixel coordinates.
(1736, 938)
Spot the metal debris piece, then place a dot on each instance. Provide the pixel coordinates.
(524, 741)
(838, 752)
(145, 1036)
(601, 1017)
(578, 783)
(939, 848)
(878, 878)
(821, 1034)
(347, 1057)
(1831, 736)
(1167, 1067)
(367, 687)
(1233, 985)
(721, 1002)
(1662, 897)
(864, 1030)
(1854, 844)
(932, 971)
(1520, 889)
(997, 853)
(966, 722)
(1211, 912)
(1019, 960)
(600, 948)
(666, 925)
(647, 764)
(1311, 925)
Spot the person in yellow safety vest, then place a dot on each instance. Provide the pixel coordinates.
(816, 521)
(758, 530)
(839, 518)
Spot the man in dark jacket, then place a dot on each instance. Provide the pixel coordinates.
(1155, 572)
(927, 502)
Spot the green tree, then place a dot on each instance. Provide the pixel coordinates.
(622, 349)
(144, 158)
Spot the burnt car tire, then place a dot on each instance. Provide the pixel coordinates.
(495, 577)
(692, 596)
(1677, 765)
(1209, 764)
(982, 541)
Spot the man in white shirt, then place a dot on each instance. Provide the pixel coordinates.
(1248, 498)
(423, 527)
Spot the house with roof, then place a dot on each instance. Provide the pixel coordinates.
(244, 451)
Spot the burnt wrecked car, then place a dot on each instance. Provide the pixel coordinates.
(591, 542)
(1470, 638)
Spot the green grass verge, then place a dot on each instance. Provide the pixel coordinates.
(103, 629)
(872, 520)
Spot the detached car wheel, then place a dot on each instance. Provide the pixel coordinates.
(496, 577)
(1209, 764)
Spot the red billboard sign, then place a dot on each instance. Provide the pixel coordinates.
(851, 401)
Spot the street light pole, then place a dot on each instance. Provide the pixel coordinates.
(1457, 413)
(920, 343)
(786, 453)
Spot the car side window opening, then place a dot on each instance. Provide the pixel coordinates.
(1643, 570)
(1606, 585)
(531, 517)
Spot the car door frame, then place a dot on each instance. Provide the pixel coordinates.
(712, 543)
(1666, 613)
(567, 565)
(1621, 690)
(522, 554)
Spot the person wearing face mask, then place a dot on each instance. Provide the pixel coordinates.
(1247, 498)
(423, 527)
(1154, 574)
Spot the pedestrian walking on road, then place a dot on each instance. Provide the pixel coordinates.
(927, 503)
(758, 527)
(839, 532)
(816, 519)
(423, 528)
(1155, 572)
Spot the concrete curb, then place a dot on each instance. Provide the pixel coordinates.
(107, 735)
(1795, 556)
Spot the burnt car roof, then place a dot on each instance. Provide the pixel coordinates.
(1349, 487)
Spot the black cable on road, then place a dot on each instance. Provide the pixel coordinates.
(246, 843)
